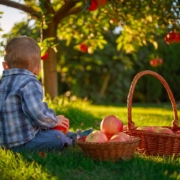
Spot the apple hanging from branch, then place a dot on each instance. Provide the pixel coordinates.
(93, 5)
(83, 47)
(45, 56)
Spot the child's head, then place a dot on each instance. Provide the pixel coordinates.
(22, 52)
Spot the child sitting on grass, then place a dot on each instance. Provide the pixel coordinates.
(25, 121)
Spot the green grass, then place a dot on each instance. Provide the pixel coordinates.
(70, 164)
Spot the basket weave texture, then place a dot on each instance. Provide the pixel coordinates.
(109, 151)
(153, 143)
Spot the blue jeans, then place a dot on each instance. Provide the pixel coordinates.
(47, 140)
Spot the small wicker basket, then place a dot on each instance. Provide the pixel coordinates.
(153, 143)
(109, 151)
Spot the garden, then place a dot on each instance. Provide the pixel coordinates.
(102, 58)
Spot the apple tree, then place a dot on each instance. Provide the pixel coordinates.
(85, 22)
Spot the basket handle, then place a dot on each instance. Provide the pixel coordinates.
(131, 124)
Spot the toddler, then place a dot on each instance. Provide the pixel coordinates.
(26, 121)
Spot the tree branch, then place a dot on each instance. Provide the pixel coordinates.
(73, 11)
(61, 13)
(22, 7)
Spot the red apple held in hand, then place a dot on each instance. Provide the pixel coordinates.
(165, 131)
(124, 135)
(97, 137)
(111, 125)
(117, 138)
(60, 128)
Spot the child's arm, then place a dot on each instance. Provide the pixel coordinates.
(37, 111)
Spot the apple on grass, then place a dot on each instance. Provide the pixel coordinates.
(97, 137)
(111, 125)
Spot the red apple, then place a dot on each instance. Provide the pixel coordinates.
(83, 47)
(93, 6)
(156, 128)
(97, 136)
(45, 56)
(172, 37)
(111, 125)
(124, 135)
(165, 131)
(117, 138)
(60, 128)
(178, 132)
(125, 127)
(146, 128)
(101, 2)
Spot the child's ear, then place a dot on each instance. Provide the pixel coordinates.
(5, 66)
(37, 70)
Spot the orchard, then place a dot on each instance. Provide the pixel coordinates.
(83, 24)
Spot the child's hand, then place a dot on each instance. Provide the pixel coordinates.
(63, 122)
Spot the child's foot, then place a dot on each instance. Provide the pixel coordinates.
(83, 133)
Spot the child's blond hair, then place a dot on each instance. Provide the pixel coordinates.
(22, 52)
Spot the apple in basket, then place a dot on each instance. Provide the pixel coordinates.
(146, 128)
(165, 131)
(156, 128)
(97, 136)
(120, 137)
(111, 125)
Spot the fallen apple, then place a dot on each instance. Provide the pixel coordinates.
(60, 128)
(111, 125)
(97, 136)
(117, 138)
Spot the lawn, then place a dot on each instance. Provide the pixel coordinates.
(70, 164)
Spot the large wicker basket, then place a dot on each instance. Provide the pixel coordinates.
(109, 151)
(153, 143)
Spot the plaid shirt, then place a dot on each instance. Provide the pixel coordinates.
(22, 112)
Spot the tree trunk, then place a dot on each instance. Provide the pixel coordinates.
(49, 65)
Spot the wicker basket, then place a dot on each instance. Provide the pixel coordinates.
(109, 151)
(153, 143)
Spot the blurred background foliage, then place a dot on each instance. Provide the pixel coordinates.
(115, 55)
